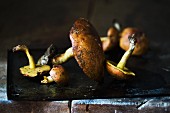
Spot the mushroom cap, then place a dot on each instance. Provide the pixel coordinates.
(87, 49)
(32, 72)
(142, 41)
(117, 72)
(59, 74)
(112, 39)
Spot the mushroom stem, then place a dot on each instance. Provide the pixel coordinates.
(103, 38)
(26, 50)
(61, 58)
(47, 80)
(122, 62)
(30, 59)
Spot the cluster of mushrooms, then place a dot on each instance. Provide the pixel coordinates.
(88, 48)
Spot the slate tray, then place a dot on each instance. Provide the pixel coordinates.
(152, 79)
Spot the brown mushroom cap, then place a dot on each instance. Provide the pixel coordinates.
(59, 74)
(142, 41)
(112, 40)
(87, 49)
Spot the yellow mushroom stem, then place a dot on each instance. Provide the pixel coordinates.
(125, 57)
(104, 38)
(26, 50)
(30, 59)
(47, 79)
(61, 58)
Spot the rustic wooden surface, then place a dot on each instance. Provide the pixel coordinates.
(40, 23)
(122, 105)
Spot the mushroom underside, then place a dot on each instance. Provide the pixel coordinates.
(32, 72)
(117, 72)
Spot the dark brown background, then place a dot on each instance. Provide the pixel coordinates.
(40, 23)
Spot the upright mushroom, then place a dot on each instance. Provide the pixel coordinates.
(119, 70)
(32, 69)
(86, 48)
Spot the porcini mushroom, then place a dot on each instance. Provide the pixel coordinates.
(142, 41)
(119, 70)
(108, 42)
(86, 48)
(112, 39)
(32, 69)
(57, 74)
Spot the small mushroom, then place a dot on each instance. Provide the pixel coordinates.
(32, 69)
(142, 41)
(112, 39)
(119, 70)
(58, 74)
(86, 48)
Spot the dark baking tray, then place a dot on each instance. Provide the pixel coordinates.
(152, 79)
